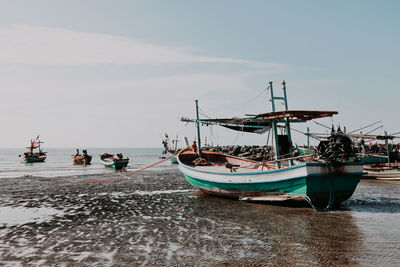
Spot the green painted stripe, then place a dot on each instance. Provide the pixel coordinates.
(295, 186)
(300, 185)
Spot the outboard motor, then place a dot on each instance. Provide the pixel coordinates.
(337, 148)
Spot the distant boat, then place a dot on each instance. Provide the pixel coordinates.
(384, 171)
(117, 162)
(31, 156)
(83, 159)
(385, 164)
(168, 151)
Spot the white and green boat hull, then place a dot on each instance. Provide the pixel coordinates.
(309, 179)
(118, 165)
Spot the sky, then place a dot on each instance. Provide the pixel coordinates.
(120, 73)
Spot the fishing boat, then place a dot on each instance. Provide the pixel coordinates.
(31, 156)
(382, 161)
(82, 159)
(117, 162)
(384, 171)
(168, 151)
(324, 182)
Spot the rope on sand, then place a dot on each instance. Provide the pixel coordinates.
(129, 173)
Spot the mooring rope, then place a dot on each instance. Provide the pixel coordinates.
(132, 172)
(331, 194)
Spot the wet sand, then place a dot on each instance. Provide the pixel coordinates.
(155, 218)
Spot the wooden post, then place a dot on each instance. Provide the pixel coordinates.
(176, 144)
(187, 142)
(308, 137)
(387, 145)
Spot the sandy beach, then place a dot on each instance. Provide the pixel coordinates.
(156, 218)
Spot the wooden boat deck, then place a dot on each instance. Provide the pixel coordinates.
(240, 169)
(218, 162)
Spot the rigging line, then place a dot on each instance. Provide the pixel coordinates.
(129, 173)
(203, 113)
(319, 139)
(212, 134)
(298, 131)
(322, 125)
(365, 127)
(237, 136)
(250, 100)
(374, 129)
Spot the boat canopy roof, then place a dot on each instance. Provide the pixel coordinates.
(262, 122)
(296, 115)
(249, 124)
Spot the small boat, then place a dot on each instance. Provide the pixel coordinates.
(117, 162)
(167, 151)
(83, 159)
(384, 171)
(31, 156)
(382, 160)
(324, 181)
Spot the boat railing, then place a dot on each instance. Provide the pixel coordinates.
(291, 158)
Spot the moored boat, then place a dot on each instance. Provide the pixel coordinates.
(382, 160)
(324, 180)
(31, 156)
(117, 162)
(384, 171)
(82, 159)
(168, 151)
(229, 176)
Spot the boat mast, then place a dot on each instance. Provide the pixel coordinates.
(275, 122)
(198, 129)
(176, 144)
(274, 125)
(287, 123)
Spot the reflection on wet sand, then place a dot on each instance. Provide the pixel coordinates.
(283, 235)
(156, 218)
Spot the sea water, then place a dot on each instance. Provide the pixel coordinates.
(59, 162)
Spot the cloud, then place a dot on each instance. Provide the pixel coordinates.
(26, 44)
(56, 81)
